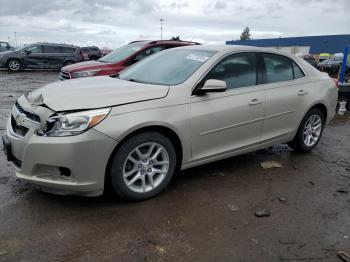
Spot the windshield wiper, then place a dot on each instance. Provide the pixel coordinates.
(115, 75)
(134, 80)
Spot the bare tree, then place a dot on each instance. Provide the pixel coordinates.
(246, 34)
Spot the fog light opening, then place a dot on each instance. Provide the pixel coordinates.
(64, 171)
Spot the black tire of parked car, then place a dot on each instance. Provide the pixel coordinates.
(120, 156)
(298, 143)
(14, 65)
(93, 58)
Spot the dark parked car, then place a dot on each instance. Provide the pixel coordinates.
(4, 46)
(92, 52)
(41, 56)
(311, 60)
(119, 59)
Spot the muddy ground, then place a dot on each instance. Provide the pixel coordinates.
(207, 214)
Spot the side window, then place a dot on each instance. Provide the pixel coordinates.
(298, 73)
(52, 49)
(36, 49)
(68, 50)
(238, 70)
(278, 68)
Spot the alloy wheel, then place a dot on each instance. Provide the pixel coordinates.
(146, 167)
(312, 130)
(14, 65)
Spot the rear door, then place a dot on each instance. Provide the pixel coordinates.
(232, 120)
(286, 91)
(33, 57)
(54, 56)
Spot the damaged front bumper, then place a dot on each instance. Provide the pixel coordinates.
(63, 165)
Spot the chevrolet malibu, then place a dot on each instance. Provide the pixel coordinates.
(176, 109)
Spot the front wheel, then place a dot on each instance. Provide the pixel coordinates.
(310, 131)
(143, 166)
(14, 65)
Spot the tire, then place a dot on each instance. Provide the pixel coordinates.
(308, 136)
(14, 65)
(138, 170)
(93, 58)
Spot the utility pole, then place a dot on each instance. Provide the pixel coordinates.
(161, 28)
(15, 39)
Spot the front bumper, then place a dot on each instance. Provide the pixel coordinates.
(63, 165)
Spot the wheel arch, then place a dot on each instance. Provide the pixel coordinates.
(165, 130)
(322, 107)
(319, 105)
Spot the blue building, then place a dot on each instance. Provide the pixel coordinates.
(306, 45)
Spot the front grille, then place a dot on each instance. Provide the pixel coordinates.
(27, 114)
(64, 75)
(19, 130)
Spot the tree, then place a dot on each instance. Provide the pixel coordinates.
(246, 34)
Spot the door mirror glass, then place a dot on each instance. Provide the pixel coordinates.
(213, 86)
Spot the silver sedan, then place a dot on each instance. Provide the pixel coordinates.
(174, 110)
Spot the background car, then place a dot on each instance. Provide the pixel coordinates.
(311, 60)
(4, 46)
(92, 52)
(120, 59)
(106, 50)
(41, 56)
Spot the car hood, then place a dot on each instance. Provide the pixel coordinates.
(94, 92)
(87, 65)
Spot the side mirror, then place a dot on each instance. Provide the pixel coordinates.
(213, 86)
(28, 52)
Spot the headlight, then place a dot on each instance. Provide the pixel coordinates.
(86, 73)
(74, 123)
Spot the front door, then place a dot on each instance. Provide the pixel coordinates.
(232, 120)
(33, 57)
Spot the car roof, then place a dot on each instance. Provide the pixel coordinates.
(54, 44)
(234, 48)
(154, 42)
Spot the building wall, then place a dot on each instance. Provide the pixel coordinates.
(318, 44)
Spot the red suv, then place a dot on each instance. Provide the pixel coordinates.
(119, 59)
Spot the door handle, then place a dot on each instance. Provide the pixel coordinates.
(255, 101)
(302, 92)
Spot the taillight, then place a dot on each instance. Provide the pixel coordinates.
(81, 55)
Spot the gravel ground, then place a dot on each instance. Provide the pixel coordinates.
(207, 213)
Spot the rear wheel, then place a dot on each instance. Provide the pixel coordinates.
(310, 131)
(14, 65)
(143, 166)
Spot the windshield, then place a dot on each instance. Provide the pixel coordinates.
(123, 52)
(171, 67)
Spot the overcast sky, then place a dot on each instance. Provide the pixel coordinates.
(114, 22)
